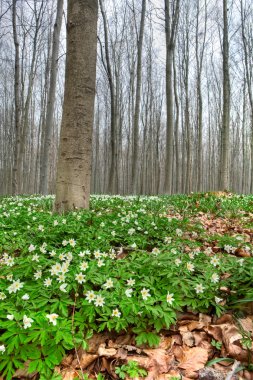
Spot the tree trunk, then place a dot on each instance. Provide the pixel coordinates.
(135, 161)
(224, 168)
(16, 161)
(48, 128)
(107, 66)
(74, 157)
(171, 23)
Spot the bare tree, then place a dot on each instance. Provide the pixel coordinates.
(171, 24)
(135, 155)
(16, 161)
(225, 148)
(48, 127)
(113, 134)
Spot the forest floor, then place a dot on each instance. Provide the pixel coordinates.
(155, 287)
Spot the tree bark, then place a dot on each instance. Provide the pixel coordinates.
(224, 167)
(108, 69)
(16, 161)
(48, 128)
(135, 160)
(74, 159)
(171, 23)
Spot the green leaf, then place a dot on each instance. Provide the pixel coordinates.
(148, 337)
(218, 360)
(33, 365)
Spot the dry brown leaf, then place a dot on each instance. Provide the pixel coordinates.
(224, 276)
(214, 331)
(183, 327)
(23, 372)
(193, 359)
(195, 325)
(200, 336)
(204, 318)
(176, 339)
(103, 351)
(188, 338)
(191, 374)
(143, 361)
(231, 338)
(121, 353)
(165, 342)
(230, 334)
(85, 359)
(208, 347)
(95, 341)
(173, 373)
(67, 360)
(247, 375)
(105, 366)
(122, 340)
(161, 358)
(247, 323)
(226, 318)
(69, 374)
(178, 353)
(242, 252)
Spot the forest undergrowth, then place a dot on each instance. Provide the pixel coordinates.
(156, 287)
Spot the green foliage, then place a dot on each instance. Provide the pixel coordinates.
(127, 263)
(144, 337)
(131, 369)
(216, 344)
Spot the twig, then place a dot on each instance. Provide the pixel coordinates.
(73, 335)
(233, 370)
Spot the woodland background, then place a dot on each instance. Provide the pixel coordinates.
(130, 149)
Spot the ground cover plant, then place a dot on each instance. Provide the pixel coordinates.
(129, 264)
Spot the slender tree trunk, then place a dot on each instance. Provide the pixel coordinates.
(177, 181)
(135, 161)
(16, 161)
(108, 69)
(224, 168)
(48, 128)
(199, 61)
(75, 151)
(247, 48)
(171, 23)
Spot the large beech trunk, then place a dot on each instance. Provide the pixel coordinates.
(74, 160)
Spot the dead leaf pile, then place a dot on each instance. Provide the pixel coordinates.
(183, 352)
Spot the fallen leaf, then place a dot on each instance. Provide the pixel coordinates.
(195, 325)
(242, 252)
(109, 352)
(215, 332)
(23, 372)
(84, 360)
(161, 358)
(193, 359)
(226, 318)
(204, 318)
(96, 340)
(121, 354)
(247, 324)
(188, 338)
(67, 360)
(165, 342)
(69, 374)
